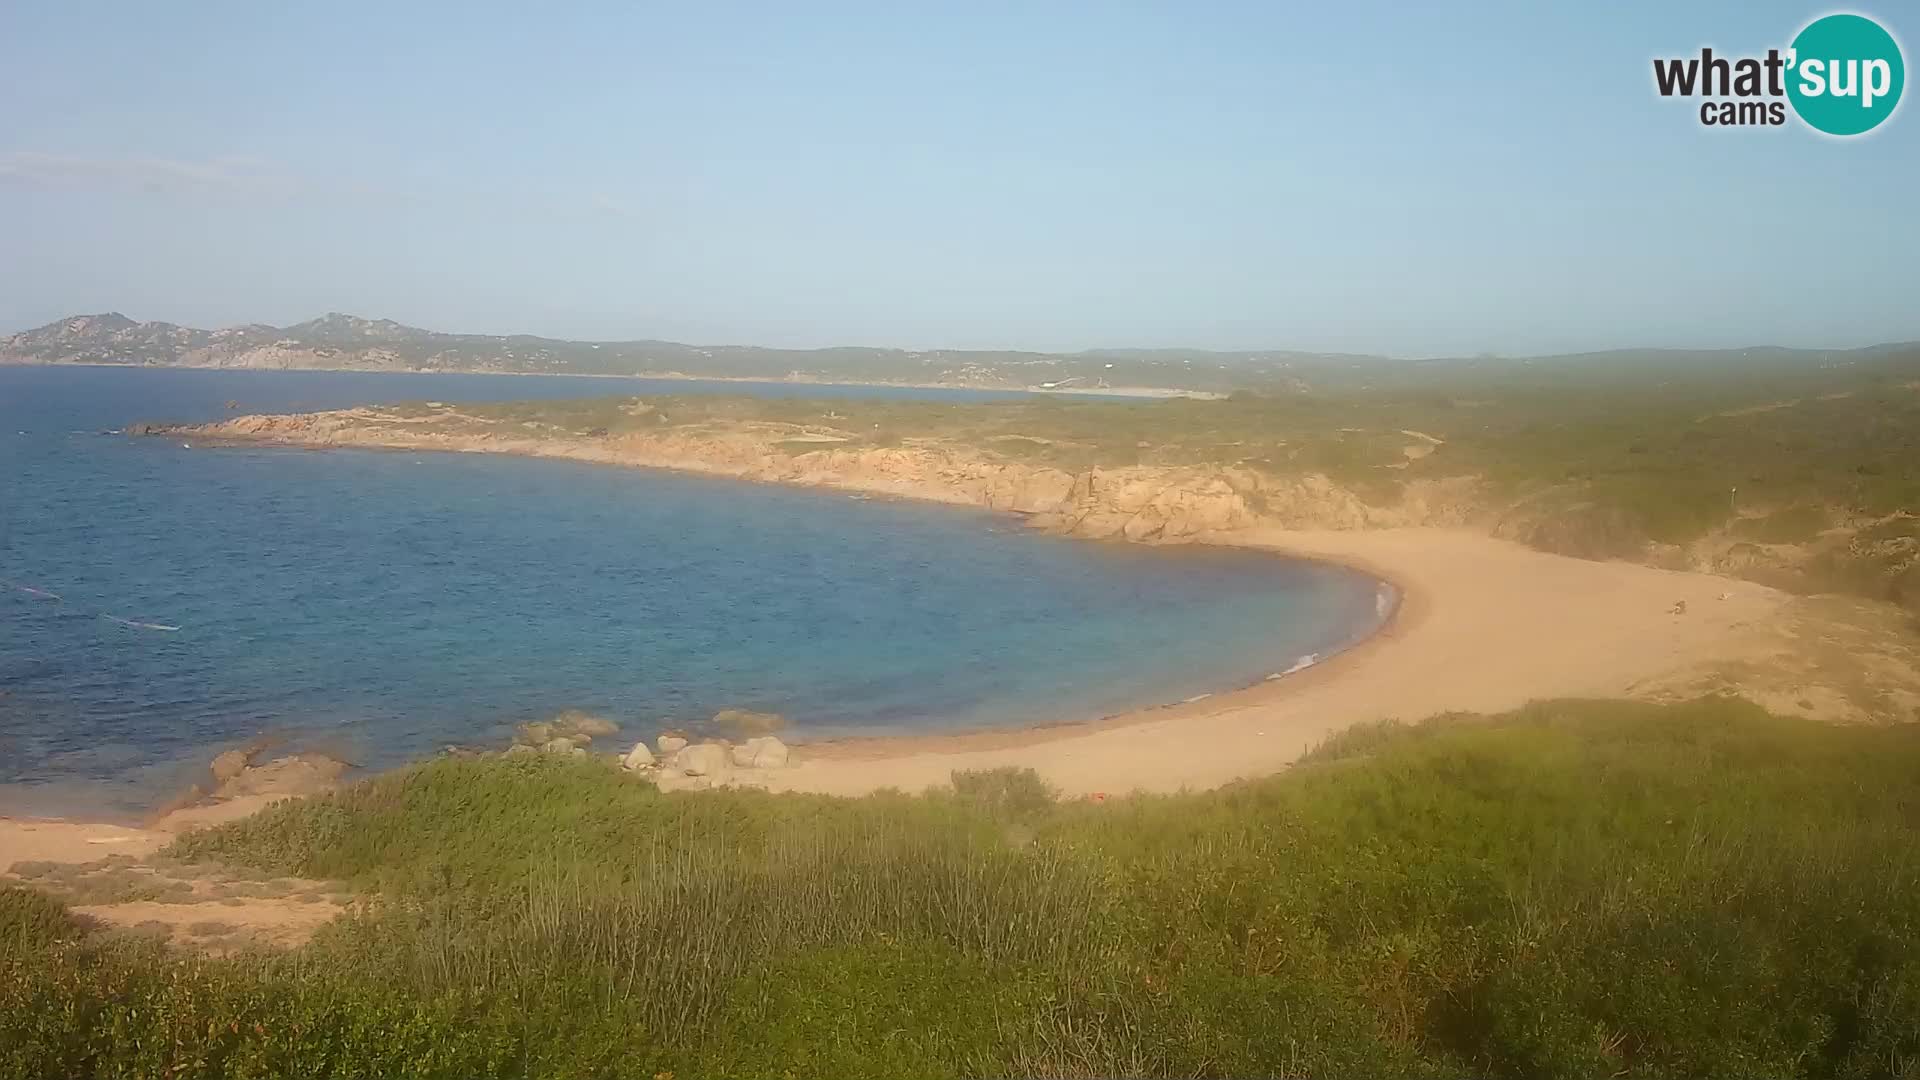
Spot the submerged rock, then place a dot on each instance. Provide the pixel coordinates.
(229, 765)
(575, 724)
(296, 774)
(745, 723)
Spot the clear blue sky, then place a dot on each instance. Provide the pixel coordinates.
(1381, 177)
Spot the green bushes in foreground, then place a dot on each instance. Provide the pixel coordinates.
(1575, 889)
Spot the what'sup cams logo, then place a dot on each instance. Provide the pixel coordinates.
(1842, 75)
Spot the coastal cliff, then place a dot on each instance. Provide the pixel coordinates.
(1139, 503)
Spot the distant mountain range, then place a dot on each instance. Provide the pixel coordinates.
(347, 342)
(353, 343)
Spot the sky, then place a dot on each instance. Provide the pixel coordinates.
(1362, 177)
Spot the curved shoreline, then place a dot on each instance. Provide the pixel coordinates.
(1481, 625)
(1432, 657)
(1330, 665)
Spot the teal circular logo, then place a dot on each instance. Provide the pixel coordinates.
(1845, 74)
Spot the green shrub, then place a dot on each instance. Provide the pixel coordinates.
(1571, 889)
(30, 919)
(1005, 792)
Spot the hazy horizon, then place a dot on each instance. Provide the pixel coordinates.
(1363, 180)
(1090, 350)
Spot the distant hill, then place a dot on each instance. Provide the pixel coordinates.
(349, 342)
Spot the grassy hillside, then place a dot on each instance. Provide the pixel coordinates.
(1576, 889)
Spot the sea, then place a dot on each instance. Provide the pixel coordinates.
(162, 601)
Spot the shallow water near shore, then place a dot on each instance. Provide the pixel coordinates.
(159, 602)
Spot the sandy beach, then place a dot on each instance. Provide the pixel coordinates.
(1484, 624)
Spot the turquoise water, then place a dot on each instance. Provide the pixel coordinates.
(162, 602)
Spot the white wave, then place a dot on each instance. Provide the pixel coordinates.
(1301, 664)
(139, 625)
(1384, 598)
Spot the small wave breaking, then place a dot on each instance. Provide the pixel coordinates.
(138, 625)
(1301, 664)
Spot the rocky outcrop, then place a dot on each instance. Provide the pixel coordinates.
(565, 732)
(715, 763)
(240, 786)
(290, 776)
(228, 765)
(575, 724)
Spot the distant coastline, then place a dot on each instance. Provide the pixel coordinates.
(343, 342)
(1146, 392)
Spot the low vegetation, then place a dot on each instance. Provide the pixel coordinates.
(1575, 889)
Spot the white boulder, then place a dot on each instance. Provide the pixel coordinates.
(706, 759)
(765, 752)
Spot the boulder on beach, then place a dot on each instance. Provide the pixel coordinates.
(639, 757)
(533, 733)
(763, 752)
(669, 745)
(706, 759)
(565, 747)
(745, 723)
(519, 749)
(668, 780)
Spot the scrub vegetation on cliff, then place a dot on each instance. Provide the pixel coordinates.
(1574, 889)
